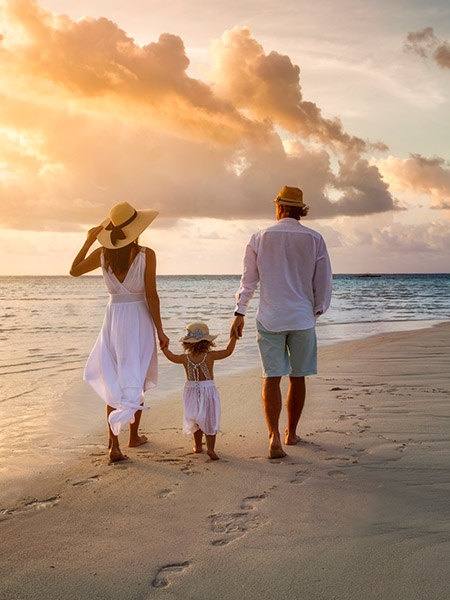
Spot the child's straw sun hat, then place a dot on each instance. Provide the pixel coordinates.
(197, 332)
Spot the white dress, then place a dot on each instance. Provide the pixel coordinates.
(123, 362)
(201, 401)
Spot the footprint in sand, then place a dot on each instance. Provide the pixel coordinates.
(336, 474)
(249, 502)
(87, 481)
(233, 526)
(161, 579)
(301, 476)
(165, 493)
(33, 505)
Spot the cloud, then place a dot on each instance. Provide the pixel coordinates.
(268, 86)
(403, 238)
(89, 118)
(427, 45)
(421, 175)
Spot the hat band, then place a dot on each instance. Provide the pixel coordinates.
(289, 202)
(116, 230)
(197, 334)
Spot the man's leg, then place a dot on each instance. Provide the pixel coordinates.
(271, 397)
(295, 403)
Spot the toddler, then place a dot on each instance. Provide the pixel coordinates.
(201, 398)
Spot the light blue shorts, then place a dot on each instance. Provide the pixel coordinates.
(287, 352)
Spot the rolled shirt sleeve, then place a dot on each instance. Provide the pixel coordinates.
(322, 280)
(249, 279)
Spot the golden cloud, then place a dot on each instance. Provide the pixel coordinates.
(421, 175)
(88, 118)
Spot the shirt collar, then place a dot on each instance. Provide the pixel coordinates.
(288, 220)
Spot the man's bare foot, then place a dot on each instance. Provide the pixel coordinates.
(116, 455)
(138, 441)
(276, 452)
(212, 455)
(291, 440)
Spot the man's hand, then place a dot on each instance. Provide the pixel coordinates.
(237, 327)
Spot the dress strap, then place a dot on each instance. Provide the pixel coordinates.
(194, 371)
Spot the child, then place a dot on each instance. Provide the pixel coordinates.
(201, 398)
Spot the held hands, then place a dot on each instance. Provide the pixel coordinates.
(237, 327)
(93, 233)
(163, 340)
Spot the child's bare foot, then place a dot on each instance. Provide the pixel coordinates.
(198, 441)
(212, 455)
(291, 439)
(115, 455)
(137, 441)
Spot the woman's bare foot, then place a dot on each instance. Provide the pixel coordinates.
(212, 455)
(291, 440)
(115, 455)
(137, 441)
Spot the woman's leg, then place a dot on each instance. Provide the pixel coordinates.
(135, 438)
(198, 441)
(113, 443)
(210, 443)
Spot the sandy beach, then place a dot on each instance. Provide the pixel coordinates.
(359, 510)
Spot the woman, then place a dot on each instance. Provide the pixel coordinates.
(123, 363)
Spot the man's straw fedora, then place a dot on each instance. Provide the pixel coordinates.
(290, 196)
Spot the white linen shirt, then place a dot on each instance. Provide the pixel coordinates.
(291, 262)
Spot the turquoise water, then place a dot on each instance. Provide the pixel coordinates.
(49, 324)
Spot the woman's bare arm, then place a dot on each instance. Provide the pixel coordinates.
(81, 264)
(219, 354)
(152, 296)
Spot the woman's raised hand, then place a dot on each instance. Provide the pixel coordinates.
(93, 233)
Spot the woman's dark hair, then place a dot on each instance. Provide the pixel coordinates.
(198, 347)
(118, 260)
(295, 212)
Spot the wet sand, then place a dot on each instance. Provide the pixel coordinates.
(359, 509)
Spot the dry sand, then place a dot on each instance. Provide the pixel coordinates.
(359, 510)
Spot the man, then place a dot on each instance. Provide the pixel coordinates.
(291, 263)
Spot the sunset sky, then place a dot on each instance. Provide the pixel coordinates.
(204, 110)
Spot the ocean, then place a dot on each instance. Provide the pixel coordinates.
(48, 326)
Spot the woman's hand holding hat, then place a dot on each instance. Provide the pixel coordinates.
(93, 233)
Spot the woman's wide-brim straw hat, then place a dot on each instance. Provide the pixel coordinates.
(124, 225)
(197, 332)
(290, 196)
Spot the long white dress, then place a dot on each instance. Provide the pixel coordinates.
(123, 362)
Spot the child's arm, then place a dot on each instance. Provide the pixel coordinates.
(175, 358)
(218, 354)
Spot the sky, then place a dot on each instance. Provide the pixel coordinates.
(205, 110)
